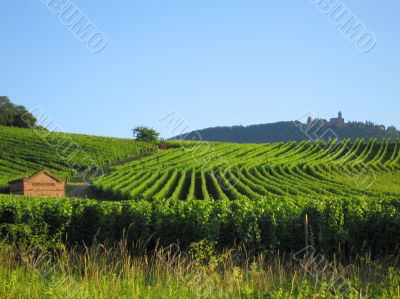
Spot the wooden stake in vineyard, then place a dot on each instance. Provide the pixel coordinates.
(306, 238)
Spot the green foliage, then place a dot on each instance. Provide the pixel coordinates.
(14, 115)
(289, 131)
(23, 152)
(230, 194)
(101, 271)
(6, 112)
(145, 134)
(351, 225)
(223, 170)
(23, 118)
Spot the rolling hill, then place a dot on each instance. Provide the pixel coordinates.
(25, 151)
(253, 171)
(256, 195)
(290, 131)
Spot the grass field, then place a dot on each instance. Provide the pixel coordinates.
(98, 272)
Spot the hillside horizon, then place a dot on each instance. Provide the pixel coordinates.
(286, 131)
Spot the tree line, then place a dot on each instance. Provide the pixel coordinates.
(13, 115)
(291, 131)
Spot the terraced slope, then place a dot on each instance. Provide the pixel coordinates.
(232, 171)
(24, 151)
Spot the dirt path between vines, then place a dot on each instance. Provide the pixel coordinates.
(80, 189)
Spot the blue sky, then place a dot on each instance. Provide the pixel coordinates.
(212, 62)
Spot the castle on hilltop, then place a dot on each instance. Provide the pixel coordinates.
(337, 121)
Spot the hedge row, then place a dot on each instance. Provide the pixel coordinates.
(354, 224)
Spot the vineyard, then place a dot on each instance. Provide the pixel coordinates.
(232, 171)
(352, 225)
(256, 195)
(23, 152)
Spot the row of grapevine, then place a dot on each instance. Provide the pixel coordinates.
(24, 151)
(222, 170)
(355, 224)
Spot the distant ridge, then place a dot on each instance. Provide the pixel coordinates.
(286, 131)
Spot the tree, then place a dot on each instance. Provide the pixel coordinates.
(23, 118)
(6, 112)
(145, 134)
(15, 116)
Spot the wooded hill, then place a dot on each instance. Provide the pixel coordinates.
(291, 131)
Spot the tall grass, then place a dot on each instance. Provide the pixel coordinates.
(102, 271)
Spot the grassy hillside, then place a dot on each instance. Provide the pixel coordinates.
(25, 151)
(231, 171)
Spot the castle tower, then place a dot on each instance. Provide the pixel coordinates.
(339, 121)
